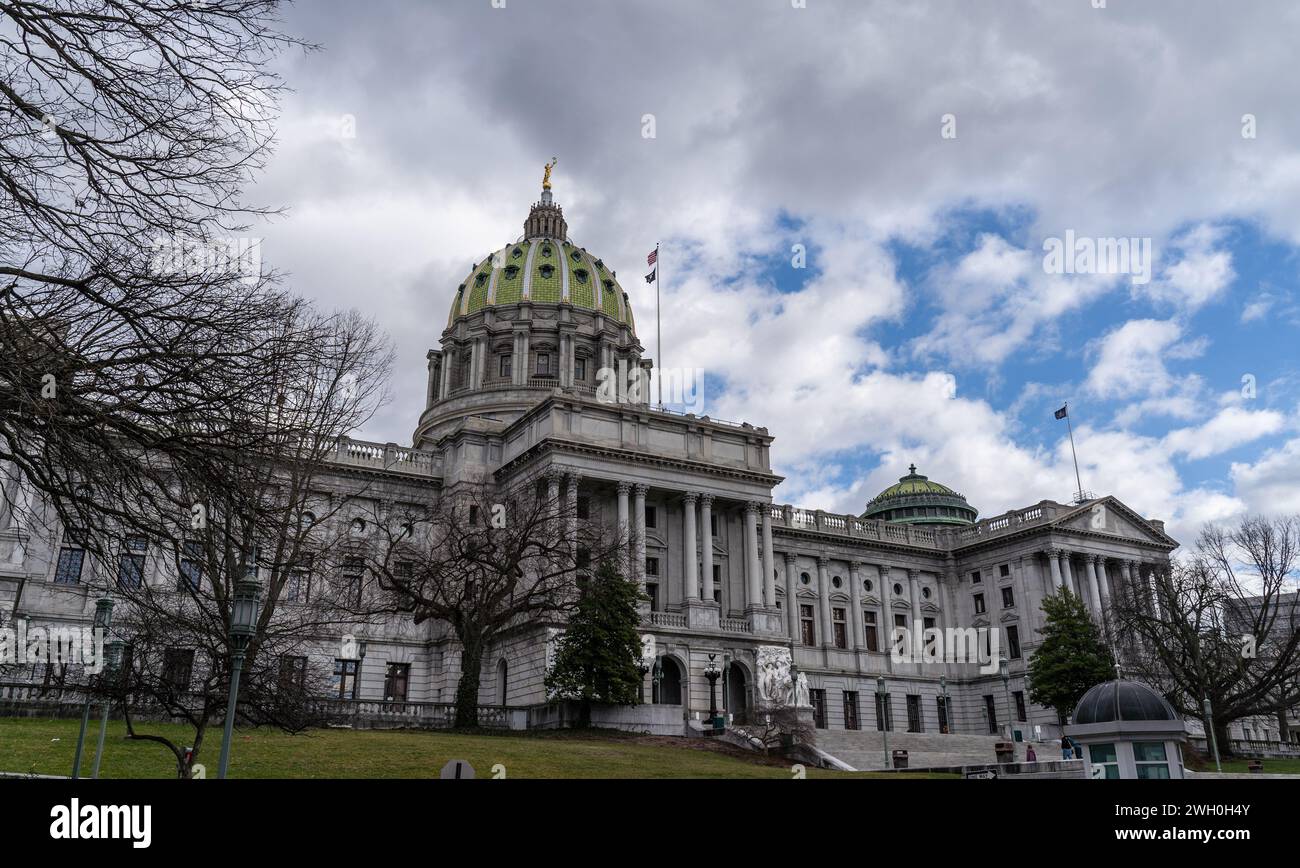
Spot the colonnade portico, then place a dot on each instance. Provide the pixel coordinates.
(1136, 579)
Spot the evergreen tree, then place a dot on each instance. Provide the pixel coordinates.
(596, 658)
(1072, 658)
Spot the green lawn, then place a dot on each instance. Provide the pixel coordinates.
(42, 746)
(1271, 766)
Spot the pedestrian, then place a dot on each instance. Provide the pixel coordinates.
(1067, 752)
(1030, 756)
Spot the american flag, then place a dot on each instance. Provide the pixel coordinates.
(653, 257)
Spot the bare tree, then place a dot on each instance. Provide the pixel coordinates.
(267, 515)
(131, 333)
(1222, 624)
(484, 561)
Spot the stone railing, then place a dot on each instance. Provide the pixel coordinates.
(734, 625)
(386, 456)
(373, 713)
(1006, 523)
(667, 619)
(924, 537)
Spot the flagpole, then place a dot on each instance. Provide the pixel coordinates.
(659, 334)
(1069, 427)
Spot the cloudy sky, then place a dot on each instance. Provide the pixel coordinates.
(921, 153)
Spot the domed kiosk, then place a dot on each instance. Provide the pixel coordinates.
(916, 499)
(1128, 731)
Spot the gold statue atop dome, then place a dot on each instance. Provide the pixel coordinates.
(546, 176)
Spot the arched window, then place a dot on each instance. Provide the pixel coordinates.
(503, 676)
(358, 527)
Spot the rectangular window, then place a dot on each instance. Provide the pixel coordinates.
(900, 621)
(652, 566)
(178, 667)
(1151, 760)
(543, 364)
(979, 604)
(884, 713)
(840, 628)
(293, 672)
(395, 681)
(713, 525)
(1008, 598)
(652, 591)
(914, 722)
(818, 700)
(941, 706)
(191, 567)
(352, 574)
(808, 631)
(1021, 712)
(1013, 642)
(1104, 755)
(975, 577)
(130, 562)
(851, 710)
(1004, 571)
(931, 638)
(991, 712)
(651, 516)
(869, 628)
(579, 369)
(505, 368)
(345, 677)
(68, 571)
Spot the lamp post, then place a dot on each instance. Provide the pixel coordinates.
(881, 696)
(103, 617)
(1004, 671)
(1209, 730)
(243, 626)
(713, 673)
(643, 668)
(947, 704)
(113, 655)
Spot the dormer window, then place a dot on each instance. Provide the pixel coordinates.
(580, 274)
(608, 284)
(575, 256)
(546, 250)
(511, 271)
(546, 271)
(516, 253)
(480, 278)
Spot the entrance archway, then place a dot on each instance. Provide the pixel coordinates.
(670, 682)
(737, 695)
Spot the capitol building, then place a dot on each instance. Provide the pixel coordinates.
(727, 571)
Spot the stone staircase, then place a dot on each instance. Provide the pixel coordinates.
(864, 749)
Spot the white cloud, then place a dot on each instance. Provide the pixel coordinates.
(1199, 274)
(1229, 428)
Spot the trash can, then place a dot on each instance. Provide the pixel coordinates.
(1006, 752)
(900, 759)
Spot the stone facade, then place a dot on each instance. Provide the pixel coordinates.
(512, 394)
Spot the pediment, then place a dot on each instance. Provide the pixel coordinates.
(1108, 516)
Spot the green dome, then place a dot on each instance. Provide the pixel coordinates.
(543, 267)
(916, 499)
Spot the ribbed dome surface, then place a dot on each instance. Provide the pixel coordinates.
(917, 499)
(1122, 700)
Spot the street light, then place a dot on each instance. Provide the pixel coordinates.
(243, 627)
(882, 714)
(103, 617)
(1004, 670)
(947, 704)
(113, 659)
(713, 673)
(1209, 724)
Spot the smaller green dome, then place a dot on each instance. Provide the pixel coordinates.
(916, 499)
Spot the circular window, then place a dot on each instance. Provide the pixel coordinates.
(837, 581)
(307, 519)
(805, 578)
(925, 592)
(866, 585)
(358, 526)
(898, 589)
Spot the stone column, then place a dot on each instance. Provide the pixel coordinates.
(623, 565)
(886, 607)
(1094, 589)
(1126, 582)
(769, 566)
(690, 579)
(1067, 572)
(855, 595)
(753, 569)
(918, 623)
(571, 508)
(638, 541)
(448, 359)
(1054, 560)
(553, 493)
(792, 595)
(1104, 577)
(706, 544)
(824, 594)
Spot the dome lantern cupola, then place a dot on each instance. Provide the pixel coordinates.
(915, 499)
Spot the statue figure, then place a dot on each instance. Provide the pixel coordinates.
(801, 699)
(774, 674)
(546, 176)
